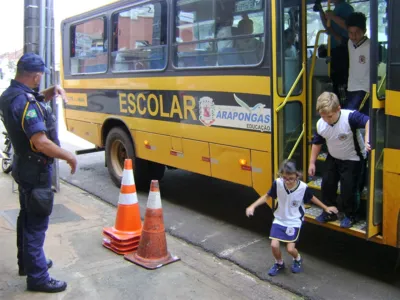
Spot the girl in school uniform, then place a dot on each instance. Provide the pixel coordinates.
(291, 194)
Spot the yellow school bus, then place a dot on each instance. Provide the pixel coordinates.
(219, 87)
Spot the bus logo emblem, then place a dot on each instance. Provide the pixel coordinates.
(207, 111)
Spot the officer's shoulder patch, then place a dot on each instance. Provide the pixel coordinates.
(31, 114)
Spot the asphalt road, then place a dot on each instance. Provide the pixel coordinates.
(210, 213)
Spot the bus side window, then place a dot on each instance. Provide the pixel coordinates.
(218, 33)
(88, 53)
(139, 41)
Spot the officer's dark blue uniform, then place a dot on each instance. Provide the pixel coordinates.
(24, 114)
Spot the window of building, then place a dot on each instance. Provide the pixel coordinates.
(89, 47)
(140, 38)
(219, 33)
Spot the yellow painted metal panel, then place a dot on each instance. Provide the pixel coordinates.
(391, 207)
(391, 161)
(153, 147)
(392, 103)
(88, 131)
(225, 164)
(372, 229)
(376, 103)
(261, 163)
(196, 157)
(239, 138)
(77, 99)
(176, 144)
(259, 85)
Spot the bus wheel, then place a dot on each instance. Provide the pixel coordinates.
(156, 171)
(119, 146)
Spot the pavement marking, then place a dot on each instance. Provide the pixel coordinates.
(231, 250)
(246, 276)
(175, 227)
(210, 236)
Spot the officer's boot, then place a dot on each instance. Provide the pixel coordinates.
(52, 286)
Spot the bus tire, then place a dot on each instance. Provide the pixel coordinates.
(119, 146)
(156, 170)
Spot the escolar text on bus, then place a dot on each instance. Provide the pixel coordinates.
(188, 107)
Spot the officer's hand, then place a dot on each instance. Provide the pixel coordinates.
(72, 163)
(59, 91)
(54, 91)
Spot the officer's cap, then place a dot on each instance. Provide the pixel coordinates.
(31, 62)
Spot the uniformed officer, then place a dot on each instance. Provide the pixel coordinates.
(32, 131)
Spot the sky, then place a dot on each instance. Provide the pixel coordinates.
(12, 17)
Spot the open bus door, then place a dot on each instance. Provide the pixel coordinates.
(391, 165)
(289, 84)
(379, 45)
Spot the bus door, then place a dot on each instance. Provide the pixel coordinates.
(391, 164)
(378, 63)
(289, 92)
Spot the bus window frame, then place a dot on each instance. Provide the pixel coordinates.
(280, 51)
(166, 46)
(173, 44)
(105, 31)
(374, 52)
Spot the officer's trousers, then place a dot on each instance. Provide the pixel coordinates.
(31, 229)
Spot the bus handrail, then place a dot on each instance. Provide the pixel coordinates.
(282, 105)
(297, 142)
(311, 75)
(381, 85)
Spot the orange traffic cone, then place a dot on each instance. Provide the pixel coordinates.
(124, 236)
(119, 248)
(152, 252)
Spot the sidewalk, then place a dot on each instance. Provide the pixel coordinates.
(73, 242)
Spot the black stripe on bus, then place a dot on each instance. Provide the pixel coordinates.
(236, 111)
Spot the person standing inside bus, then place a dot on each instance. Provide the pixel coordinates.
(33, 134)
(339, 51)
(291, 194)
(358, 87)
(338, 128)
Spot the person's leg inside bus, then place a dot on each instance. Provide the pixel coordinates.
(329, 186)
(349, 190)
(340, 70)
(357, 101)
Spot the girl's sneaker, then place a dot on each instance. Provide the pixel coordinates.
(297, 266)
(275, 269)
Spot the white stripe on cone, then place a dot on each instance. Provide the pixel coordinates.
(154, 200)
(127, 177)
(127, 199)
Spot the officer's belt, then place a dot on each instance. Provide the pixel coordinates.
(38, 159)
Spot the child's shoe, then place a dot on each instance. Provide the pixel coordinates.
(297, 266)
(275, 269)
(325, 217)
(347, 222)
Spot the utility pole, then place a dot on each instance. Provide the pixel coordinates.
(31, 26)
(39, 38)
